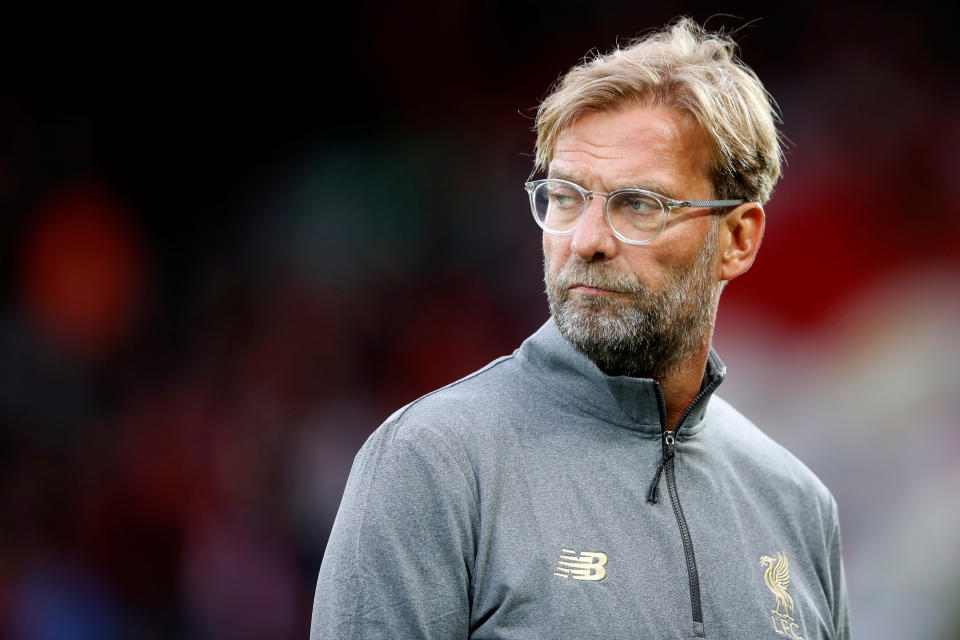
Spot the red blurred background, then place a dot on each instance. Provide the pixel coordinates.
(235, 239)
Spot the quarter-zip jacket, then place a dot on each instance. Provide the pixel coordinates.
(540, 498)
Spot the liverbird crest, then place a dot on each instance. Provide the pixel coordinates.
(777, 578)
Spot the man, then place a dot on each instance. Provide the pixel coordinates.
(591, 485)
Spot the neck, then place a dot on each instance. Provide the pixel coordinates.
(681, 386)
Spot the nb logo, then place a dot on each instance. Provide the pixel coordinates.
(588, 565)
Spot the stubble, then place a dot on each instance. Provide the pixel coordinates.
(645, 333)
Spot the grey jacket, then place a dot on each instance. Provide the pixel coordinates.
(539, 498)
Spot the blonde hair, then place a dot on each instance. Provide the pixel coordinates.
(689, 69)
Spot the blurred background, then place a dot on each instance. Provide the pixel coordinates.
(235, 239)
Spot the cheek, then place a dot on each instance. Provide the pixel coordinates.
(652, 265)
(556, 250)
(678, 247)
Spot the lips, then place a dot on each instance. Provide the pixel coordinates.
(594, 291)
(594, 280)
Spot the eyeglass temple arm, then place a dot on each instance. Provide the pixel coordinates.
(704, 203)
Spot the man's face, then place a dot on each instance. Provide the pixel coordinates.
(635, 310)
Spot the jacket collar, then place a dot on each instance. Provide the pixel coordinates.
(633, 403)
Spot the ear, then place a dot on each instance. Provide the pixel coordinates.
(741, 231)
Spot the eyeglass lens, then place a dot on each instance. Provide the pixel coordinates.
(633, 214)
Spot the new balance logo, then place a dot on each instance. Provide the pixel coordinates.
(588, 565)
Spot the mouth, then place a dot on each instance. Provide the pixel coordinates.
(587, 290)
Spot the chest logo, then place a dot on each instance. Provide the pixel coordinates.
(777, 578)
(585, 565)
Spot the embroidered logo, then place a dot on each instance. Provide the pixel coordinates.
(777, 577)
(588, 565)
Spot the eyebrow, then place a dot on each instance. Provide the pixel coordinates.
(649, 185)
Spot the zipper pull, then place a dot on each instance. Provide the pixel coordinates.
(669, 442)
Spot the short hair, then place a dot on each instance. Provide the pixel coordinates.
(689, 69)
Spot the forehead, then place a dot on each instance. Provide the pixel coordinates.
(633, 146)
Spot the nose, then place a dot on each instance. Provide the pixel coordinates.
(593, 239)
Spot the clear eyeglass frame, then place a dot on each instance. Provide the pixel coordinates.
(666, 206)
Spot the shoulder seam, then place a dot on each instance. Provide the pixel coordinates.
(476, 373)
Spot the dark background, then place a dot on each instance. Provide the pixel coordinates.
(236, 238)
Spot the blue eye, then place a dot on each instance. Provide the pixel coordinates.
(641, 205)
(636, 205)
(564, 197)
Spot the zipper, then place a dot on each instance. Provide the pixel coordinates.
(668, 441)
(692, 575)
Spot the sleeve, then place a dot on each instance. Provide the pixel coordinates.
(400, 555)
(839, 603)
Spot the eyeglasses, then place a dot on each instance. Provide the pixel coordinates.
(636, 216)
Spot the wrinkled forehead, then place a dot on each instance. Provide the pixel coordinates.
(624, 147)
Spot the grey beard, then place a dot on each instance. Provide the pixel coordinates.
(648, 335)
